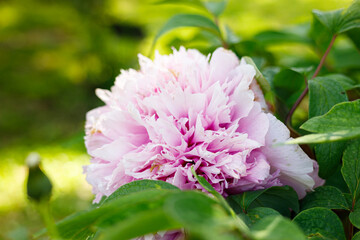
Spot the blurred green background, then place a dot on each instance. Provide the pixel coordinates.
(54, 54)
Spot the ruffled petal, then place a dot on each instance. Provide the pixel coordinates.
(295, 166)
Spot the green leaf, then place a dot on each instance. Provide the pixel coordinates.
(259, 213)
(339, 21)
(346, 82)
(328, 156)
(288, 85)
(356, 236)
(277, 37)
(244, 199)
(188, 20)
(305, 71)
(190, 208)
(348, 199)
(342, 122)
(216, 7)
(141, 224)
(282, 199)
(138, 186)
(355, 218)
(276, 228)
(325, 196)
(326, 137)
(264, 84)
(270, 73)
(330, 19)
(200, 215)
(351, 17)
(351, 168)
(324, 93)
(115, 210)
(346, 58)
(337, 180)
(320, 34)
(320, 223)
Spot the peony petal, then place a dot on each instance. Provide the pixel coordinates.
(221, 63)
(256, 124)
(295, 166)
(113, 151)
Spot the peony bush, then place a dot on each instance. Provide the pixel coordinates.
(206, 146)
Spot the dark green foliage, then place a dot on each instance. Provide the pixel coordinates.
(355, 217)
(288, 85)
(337, 180)
(327, 197)
(356, 236)
(351, 168)
(281, 199)
(320, 223)
(341, 123)
(342, 116)
(324, 93)
(242, 201)
(354, 35)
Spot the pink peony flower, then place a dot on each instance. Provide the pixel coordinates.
(183, 110)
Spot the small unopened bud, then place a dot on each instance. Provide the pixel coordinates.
(33, 159)
(38, 184)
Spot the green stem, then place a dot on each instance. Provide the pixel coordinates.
(303, 94)
(43, 208)
(322, 61)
